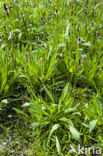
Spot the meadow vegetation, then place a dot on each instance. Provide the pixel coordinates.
(51, 76)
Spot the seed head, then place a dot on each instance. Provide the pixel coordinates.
(92, 23)
(83, 59)
(101, 26)
(26, 56)
(79, 42)
(79, 67)
(97, 34)
(40, 60)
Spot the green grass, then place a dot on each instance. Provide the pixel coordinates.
(51, 76)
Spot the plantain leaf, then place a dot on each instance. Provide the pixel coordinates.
(64, 93)
(49, 94)
(58, 146)
(67, 31)
(92, 125)
(55, 127)
(21, 112)
(75, 133)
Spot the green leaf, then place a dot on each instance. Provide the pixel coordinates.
(36, 107)
(10, 35)
(3, 103)
(55, 127)
(75, 133)
(49, 94)
(51, 66)
(35, 125)
(64, 93)
(58, 146)
(64, 119)
(67, 31)
(92, 125)
(21, 112)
